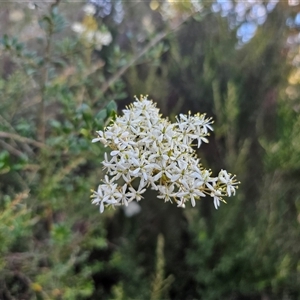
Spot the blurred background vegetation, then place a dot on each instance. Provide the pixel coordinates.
(66, 67)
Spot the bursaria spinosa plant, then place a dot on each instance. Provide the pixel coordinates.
(148, 151)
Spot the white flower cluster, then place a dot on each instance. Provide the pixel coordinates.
(175, 10)
(150, 151)
(88, 30)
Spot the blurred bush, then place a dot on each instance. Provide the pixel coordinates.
(62, 67)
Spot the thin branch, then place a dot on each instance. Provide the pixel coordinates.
(47, 60)
(22, 139)
(5, 122)
(30, 283)
(42, 112)
(11, 149)
(151, 44)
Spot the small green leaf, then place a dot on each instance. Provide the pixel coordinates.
(111, 106)
(101, 115)
(54, 10)
(84, 132)
(113, 115)
(121, 95)
(5, 40)
(83, 108)
(55, 124)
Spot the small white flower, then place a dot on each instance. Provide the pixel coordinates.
(136, 194)
(103, 195)
(89, 9)
(101, 138)
(121, 195)
(216, 195)
(103, 38)
(164, 169)
(166, 192)
(230, 182)
(78, 27)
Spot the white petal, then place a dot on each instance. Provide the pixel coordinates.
(101, 207)
(216, 202)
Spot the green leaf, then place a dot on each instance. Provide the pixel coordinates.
(45, 23)
(101, 115)
(55, 124)
(60, 233)
(113, 115)
(121, 95)
(5, 40)
(83, 109)
(111, 106)
(59, 23)
(54, 10)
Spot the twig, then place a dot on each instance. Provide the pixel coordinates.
(5, 122)
(42, 112)
(42, 130)
(29, 283)
(22, 139)
(151, 44)
(11, 149)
